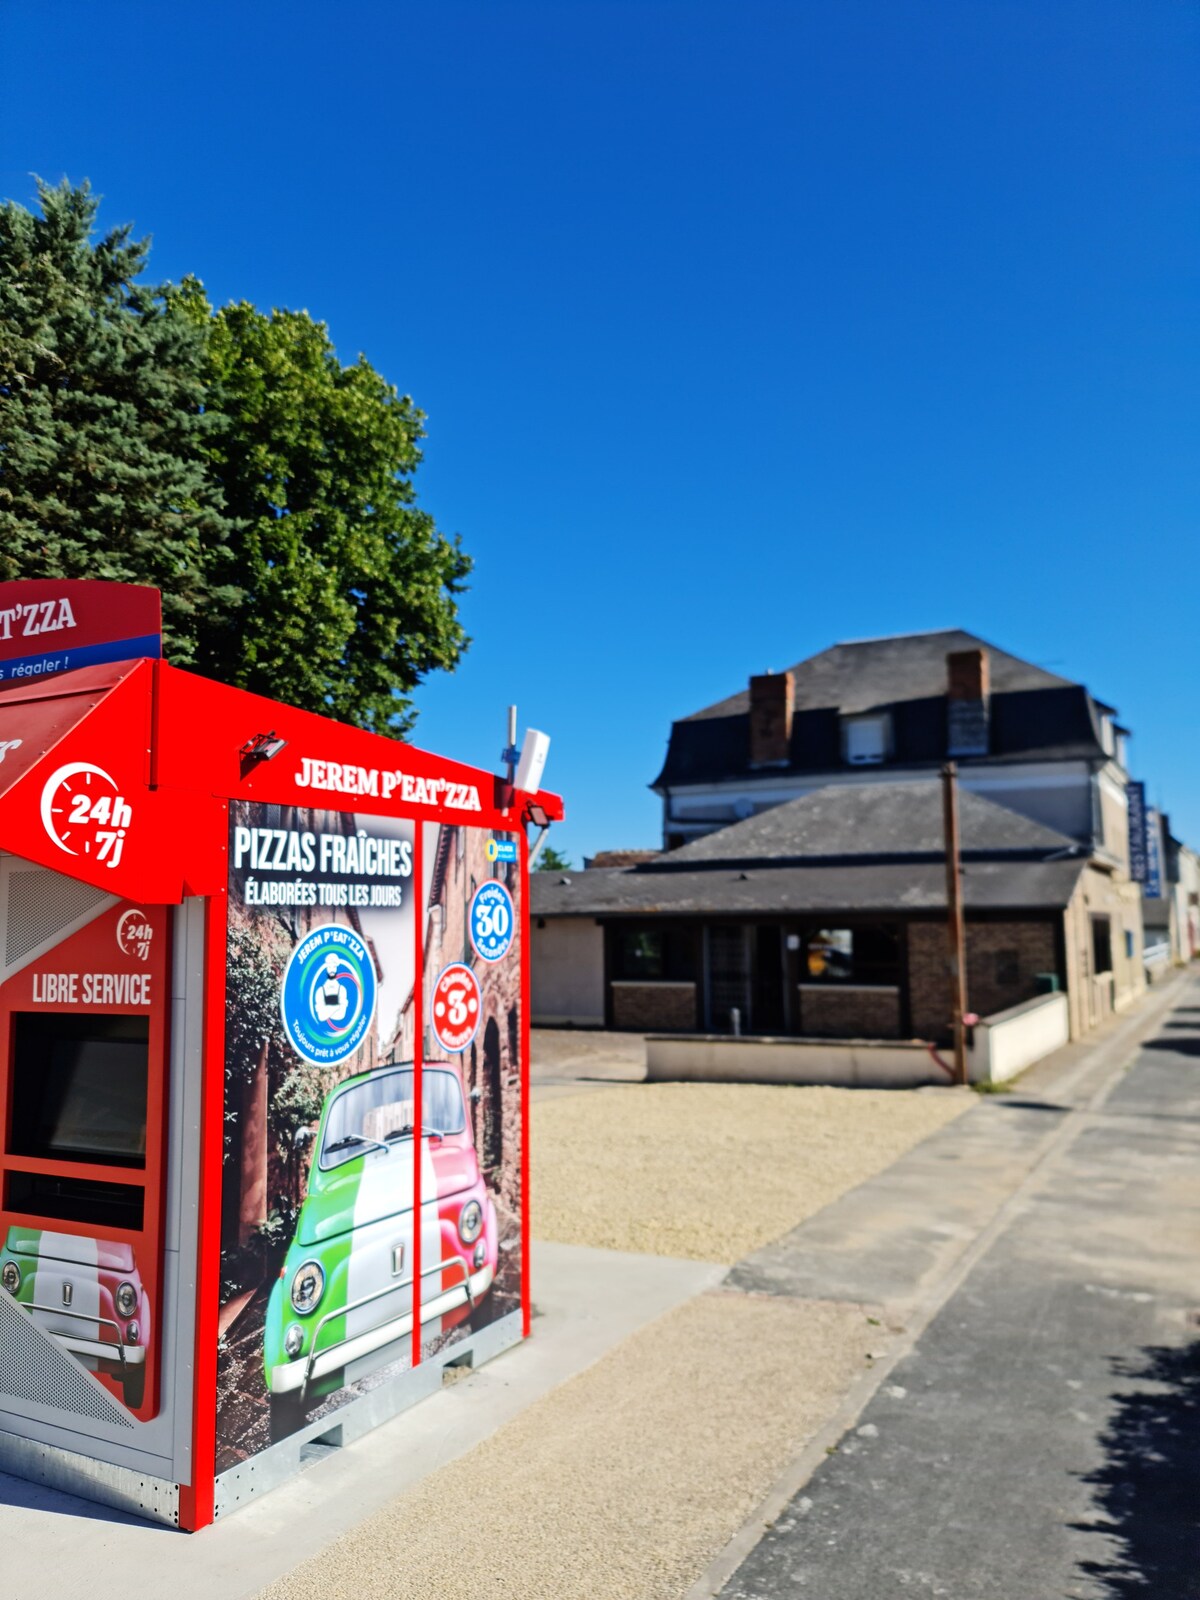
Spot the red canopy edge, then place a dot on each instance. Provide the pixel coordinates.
(121, 775)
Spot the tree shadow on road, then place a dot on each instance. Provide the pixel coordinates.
(1149, 1486)
(1189, 1046)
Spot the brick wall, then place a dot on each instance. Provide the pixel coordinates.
(1003, 959)
(833, 1013)
(654, 1007)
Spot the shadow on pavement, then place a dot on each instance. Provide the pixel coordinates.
(1149, 1486)
(1189, 1046)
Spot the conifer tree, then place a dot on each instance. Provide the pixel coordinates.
(228, 458)
(103, 469)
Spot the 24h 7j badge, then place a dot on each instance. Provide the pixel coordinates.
(455, 1006)
(491, 921)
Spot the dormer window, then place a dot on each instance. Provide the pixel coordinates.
(1108, 741)
(866, 741)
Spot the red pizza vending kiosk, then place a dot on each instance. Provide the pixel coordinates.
(264, 1009)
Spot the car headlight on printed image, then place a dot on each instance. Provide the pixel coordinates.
(126, 1299)
(293, 1340)
(470, 1221)
(308, 1285)
(10, 1276)
(133, 1333)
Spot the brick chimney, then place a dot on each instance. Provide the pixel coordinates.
(968, 690)
(772, 697)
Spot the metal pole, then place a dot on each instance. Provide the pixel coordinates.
(955, 932)
(511, 753)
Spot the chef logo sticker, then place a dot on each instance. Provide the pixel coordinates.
(492, 921)
(455, 1007)
(328, 995)
(135, 934)
(85, 813)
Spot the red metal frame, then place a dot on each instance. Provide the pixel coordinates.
(93, 948)
(418, 880)
(176, 746)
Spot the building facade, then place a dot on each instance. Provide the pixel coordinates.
(895, 709)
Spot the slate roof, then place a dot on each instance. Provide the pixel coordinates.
(885, 889)
(872, 848)
(872, 819)
(1034, 714)
(864, 673)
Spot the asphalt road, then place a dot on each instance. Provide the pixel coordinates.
(1042, 1438)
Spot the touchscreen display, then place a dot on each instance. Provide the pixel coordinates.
(79, 1088)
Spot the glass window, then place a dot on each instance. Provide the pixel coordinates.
(377, 1112)
(79, 1088)
(866, 739)
(1101, 945)
(868, 955)
(639, 953)
(829, 955)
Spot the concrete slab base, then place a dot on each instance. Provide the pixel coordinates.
(586, 1301)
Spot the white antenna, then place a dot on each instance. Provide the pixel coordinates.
(532, 764)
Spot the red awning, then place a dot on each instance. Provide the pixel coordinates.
(36, 716)
(75, 794)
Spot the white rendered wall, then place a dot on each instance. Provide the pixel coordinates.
(567, 973)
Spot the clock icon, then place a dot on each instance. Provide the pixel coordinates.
(84, 812)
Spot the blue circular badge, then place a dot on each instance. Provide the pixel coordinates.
(492, 920)
(328, 995)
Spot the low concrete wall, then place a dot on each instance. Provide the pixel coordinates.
(845, 1063)
(1010, 1041)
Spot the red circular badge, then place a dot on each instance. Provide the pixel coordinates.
(455, 1006)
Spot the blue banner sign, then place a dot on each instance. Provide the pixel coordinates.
(1136, 796)
(1153, 889)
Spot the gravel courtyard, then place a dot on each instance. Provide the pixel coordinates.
(710, 1172)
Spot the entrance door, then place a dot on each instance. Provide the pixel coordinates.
(768, 980)
(728, 979)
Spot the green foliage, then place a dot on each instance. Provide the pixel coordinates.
(103, 430)
(295, 1104)
(229, 459)
(252, 1017)
(552, 860)
(348, 587)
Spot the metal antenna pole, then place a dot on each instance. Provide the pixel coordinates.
(955, 932)
(510, 755)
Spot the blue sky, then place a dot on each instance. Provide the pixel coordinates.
(741, 329)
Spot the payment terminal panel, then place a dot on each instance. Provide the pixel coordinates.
(83, 1048)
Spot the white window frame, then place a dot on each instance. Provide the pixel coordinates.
(867, 741)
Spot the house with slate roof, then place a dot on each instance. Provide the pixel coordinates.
(882, 710)
(802, 887)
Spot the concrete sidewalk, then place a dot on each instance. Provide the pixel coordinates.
(587, 1301)
(1040, 1435)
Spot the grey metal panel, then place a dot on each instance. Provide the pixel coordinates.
(183, 1151)
(40, 908)
(49, 1430)
(284, 1460)
(126, 1488)
(35, 1369)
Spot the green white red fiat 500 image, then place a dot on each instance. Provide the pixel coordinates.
(89, 1295)
(343, 1303)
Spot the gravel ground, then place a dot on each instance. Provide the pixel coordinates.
(624, 1482)
(712, 1171)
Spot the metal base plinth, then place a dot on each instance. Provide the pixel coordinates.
(274, 1466)
(120, 1487)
